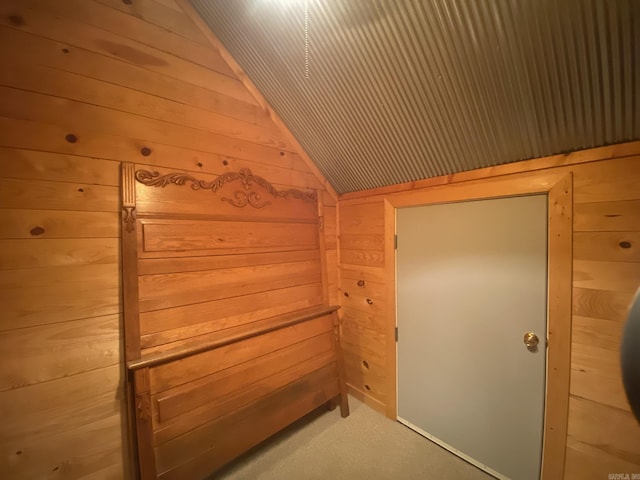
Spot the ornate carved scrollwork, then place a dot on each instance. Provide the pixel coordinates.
(129, 218)
(240, 198)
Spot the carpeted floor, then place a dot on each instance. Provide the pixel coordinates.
(366, 445)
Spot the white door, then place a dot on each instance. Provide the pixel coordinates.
(472, 281)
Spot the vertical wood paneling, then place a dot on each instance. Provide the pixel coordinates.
(605, 274)
(92, 83)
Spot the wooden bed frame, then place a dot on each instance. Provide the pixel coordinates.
(229, 336)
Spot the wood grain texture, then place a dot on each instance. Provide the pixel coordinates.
(611, 276)
(607, 246)
(19, 253)
(623, 216)
(67, 57)
(169, 16)
(77, 346)
(612, 433)
(44, 136)
(83, 89)
(176, 289)
(41, 20)
(41, 224)
(34, 165)
(193, 457)
(175, 418)
(210, 238)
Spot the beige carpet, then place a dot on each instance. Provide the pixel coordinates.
(366, 445)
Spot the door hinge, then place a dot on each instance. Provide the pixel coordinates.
(396, 334)
(395, 241)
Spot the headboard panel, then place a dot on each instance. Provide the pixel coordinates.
(229, 335)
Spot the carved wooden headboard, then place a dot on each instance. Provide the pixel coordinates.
(229, 336)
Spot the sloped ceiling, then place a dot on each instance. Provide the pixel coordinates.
(380, 92)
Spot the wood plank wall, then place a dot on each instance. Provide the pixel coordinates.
(603, 436)
(84, 85)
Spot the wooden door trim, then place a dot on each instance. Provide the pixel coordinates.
(559, 189)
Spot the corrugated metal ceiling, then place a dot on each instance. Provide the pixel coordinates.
(380, 92)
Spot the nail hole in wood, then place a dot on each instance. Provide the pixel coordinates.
(199, 164)
(71, 138)
(361, 283)
(19, 452)
(145, 151)
(35, 231)
(367, 387)
(346, 294)
(625, 244)
(16, 20)
(365, 363)
(81, 190)
(55, 469)
(282, 154)
(225, 162)
(65, 50)
(369, 301)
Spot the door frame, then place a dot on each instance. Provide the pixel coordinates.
(559, 189)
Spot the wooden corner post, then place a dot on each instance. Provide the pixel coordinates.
(138, 396)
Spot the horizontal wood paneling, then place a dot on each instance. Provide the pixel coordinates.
(175, 289)
(43, 136)
(77, 346)
(611, 431)
(601, 303)
(83, 117)
(19, 253)
(67, 57)
(148, 266)
(175, 402)
(39, 424)
(612, 276)
(47, 166)
(92, 83)
(607, 216)
(193, 457)
(201, 319)
(607, 246)
(210, 238)
(596, 375)
(607, 181)
(56, 294)
(130, 27)
(83, 89)
(58, 224)
(227, 312)
(239, 386)
(191, 368)
(37, 18)
(38, 195)
(169, 17)
(356, 219)
(606, 274)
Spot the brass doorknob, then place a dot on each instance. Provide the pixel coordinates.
(531, 340)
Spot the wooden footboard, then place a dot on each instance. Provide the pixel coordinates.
(229, 335)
